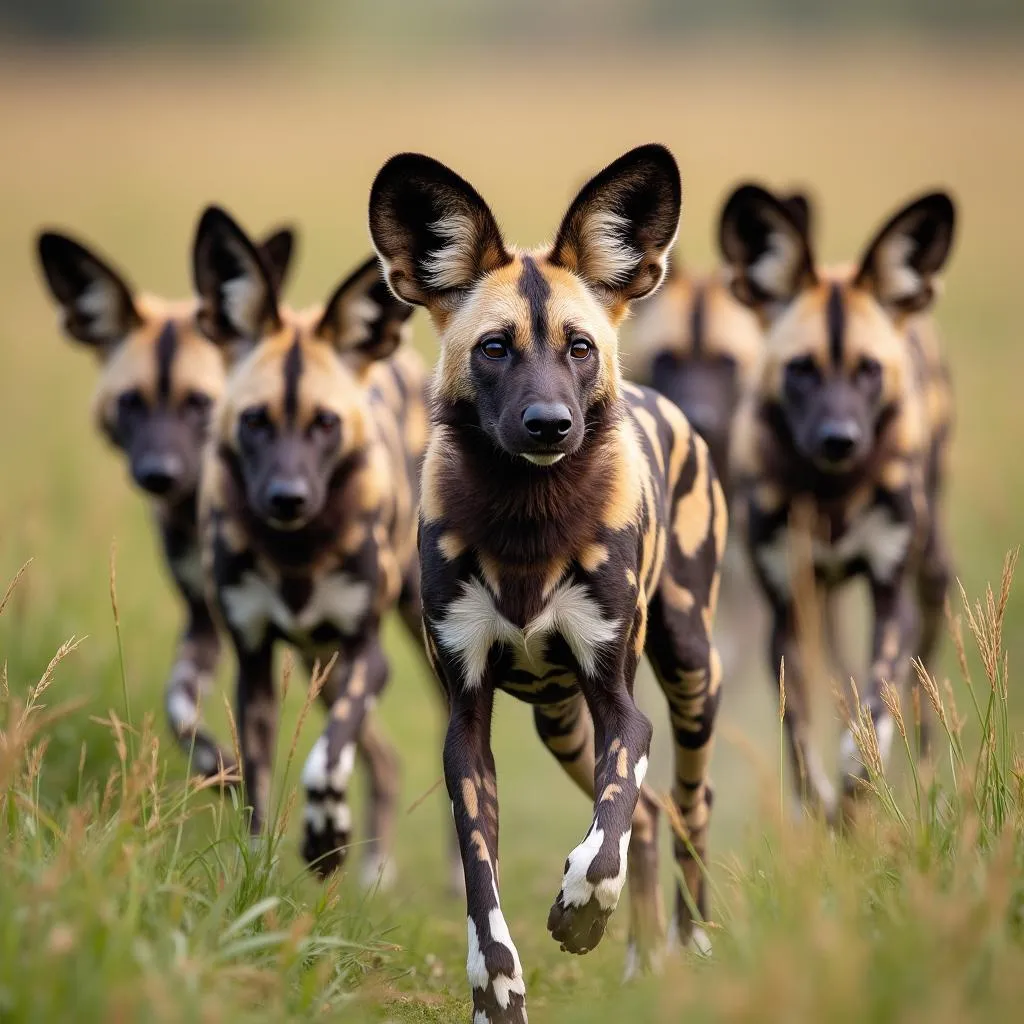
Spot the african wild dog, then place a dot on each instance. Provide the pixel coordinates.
(700, 347)
(849, 420)
(309, 517)
(694, 342)
(159, 380)
(569, 523)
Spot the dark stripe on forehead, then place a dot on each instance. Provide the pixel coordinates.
(166, 346)
(835, 316)
(292, 373)
(697, 318)
(535, 289)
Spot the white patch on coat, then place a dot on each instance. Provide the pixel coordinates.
(874, 537)
(700, 943)
(252, 604)
(640, 770)
(188, 571)
(851, 762)
(577, 889)
(318, 774)
(472, 625)
(182, 711)
(476, 966)
(502, 984)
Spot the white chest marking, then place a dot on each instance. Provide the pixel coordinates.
(188, 571)
(472, 625)
(874, 537)
(338, 599)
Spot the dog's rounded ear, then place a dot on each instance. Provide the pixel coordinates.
(278, 252)
(766, 248)
(435, 235)
(96, 302)
(902, 262)
(363, 319)
(618, 230)
(238, 301)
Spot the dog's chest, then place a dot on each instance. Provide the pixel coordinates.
(305, 613)
(874, 541)
(473, 629)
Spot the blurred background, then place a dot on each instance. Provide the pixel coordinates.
(120, 120)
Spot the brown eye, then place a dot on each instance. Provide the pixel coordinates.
(869, 370)
(803, 370)
(131, 403)
(325, 421)
(494, 346)
(256, 420)
(198, 403)
(580, 347)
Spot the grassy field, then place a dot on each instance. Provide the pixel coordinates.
(136, 896)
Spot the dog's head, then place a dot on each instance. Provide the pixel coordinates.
(529, 345)
(295, 410)
(836, 351)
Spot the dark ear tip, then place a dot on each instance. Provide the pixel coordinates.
(404, 165)
(215, 218)
(52, 244)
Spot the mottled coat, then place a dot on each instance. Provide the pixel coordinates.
(159, 380)
(570, 523)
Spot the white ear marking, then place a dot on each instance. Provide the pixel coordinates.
(607, 256)
(772, 270)
(99, 303)
(241, 298)
(453, 265)
(897, 280)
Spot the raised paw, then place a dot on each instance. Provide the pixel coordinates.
(577, 929)
(327, 836)
(582, 907)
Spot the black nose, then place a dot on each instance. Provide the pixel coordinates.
(287, 499)
(158, 473)
(838, 440)
(547, 422)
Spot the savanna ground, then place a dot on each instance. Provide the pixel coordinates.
(134, 898)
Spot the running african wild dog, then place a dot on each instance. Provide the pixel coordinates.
(309, 518)
(847, 426)
(569, 523)
(159, 380)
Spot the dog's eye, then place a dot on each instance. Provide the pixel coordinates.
(198, 403)
(869, 370)
(131, 403)
(494, 346)
(325, 421)
(256, 420)
(580, 347)
(803, 370)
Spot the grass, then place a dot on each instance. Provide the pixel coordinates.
(127, 892)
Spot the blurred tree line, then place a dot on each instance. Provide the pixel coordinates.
(228, 21)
